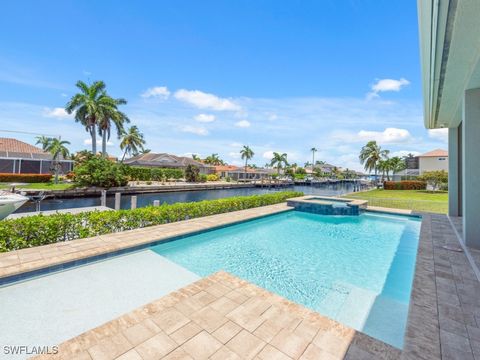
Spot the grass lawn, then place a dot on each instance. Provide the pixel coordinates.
(39, 186)
(420, 200)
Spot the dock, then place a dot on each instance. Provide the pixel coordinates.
(60, 211)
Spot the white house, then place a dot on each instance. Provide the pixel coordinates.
(432, 161)
(450, 55)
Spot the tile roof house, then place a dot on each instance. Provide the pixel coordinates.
(18, 157)
(238, 173)
(164, 160)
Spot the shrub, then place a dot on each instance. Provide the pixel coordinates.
(212, 177)
(202, 178)
(435, 178)
(192, 173)
(405, 185)
(98, 171)
(41, 230)
(300, 170)
(25, 178)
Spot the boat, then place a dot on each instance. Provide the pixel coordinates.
(9, 202)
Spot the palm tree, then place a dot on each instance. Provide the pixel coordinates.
(279, 160)
(132, 141)
(44, 141)
(109, 114)
(383, 166)
(397, 164)
(247, 154)
(196, 157)
(57, 148)
(307, 164)
(370, 155)
(213, 159)
(90, 106)
(313, 150)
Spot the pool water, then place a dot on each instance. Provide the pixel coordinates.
(357, 270)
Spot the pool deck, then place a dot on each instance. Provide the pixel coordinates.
(443, 322)
(223, 317)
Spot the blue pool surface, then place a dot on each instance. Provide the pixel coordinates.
(357, 270)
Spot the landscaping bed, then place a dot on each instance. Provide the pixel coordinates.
(41, 230)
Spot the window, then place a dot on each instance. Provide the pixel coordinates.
(442, 158)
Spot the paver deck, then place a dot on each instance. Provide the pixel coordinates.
(223, 317)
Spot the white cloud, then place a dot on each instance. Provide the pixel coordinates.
(383, 85)
(402, 153)
(272, 116)
(234, 154)
(388, 136)
(268, 155)
(158, 92)
(205, 118)
(99, 142)
(195, 130)
(243, 124)
(206, 101)
(438, 134)
(58, 113)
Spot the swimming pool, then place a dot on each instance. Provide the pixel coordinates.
(357, 270)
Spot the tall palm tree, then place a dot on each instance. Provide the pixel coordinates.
(109, 114)
(57, 148)
(196, 157)
(131, 141)
(247, 154)
(279, 160)
(89, 104)
(44, 141)
(370, 155)
(313, 150)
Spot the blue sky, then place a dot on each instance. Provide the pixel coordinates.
(209, 76)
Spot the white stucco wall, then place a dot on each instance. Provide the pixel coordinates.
(433, 163)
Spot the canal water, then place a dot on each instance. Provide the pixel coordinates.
(184, 196)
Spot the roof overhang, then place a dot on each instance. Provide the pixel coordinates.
(450, 57)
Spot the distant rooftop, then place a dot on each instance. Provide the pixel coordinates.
(13, 148)
(435, 153)
(163, 159)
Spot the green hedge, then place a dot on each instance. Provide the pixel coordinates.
(41, 230)
(152, 174)
(405, 185)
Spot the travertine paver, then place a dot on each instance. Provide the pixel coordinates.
(166, 329)
(443, 317)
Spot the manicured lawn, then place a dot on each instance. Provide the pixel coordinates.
(419, 200)
(39, 186)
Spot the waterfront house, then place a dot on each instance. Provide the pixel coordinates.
(18, 157)
(417, 165)
(238, 173)
(164, 160)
